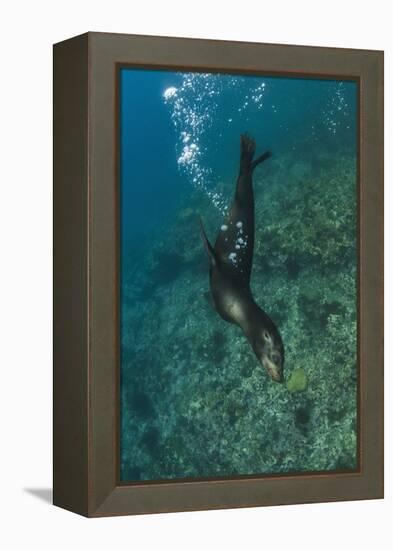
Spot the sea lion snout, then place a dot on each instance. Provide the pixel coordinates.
(274, 369)
(270, 352)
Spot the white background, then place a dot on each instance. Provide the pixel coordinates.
(28, 30)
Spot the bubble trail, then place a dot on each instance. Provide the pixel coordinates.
(194, 106)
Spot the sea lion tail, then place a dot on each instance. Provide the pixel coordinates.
(208, 247)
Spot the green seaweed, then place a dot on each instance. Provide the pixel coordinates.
(298, 381)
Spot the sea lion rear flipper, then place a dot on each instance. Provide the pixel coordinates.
(208, 246)
(260, 159)
(247, 151)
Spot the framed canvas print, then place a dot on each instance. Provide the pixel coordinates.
(218, 249)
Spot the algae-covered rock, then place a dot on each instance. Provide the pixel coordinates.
(297, 381)
(196, 380)
(185, 214)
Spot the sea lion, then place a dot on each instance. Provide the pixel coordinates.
(231, 264)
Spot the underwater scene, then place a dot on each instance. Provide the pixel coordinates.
(238, 275)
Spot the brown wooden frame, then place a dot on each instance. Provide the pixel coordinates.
(86, 304)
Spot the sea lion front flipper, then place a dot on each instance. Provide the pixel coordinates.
(208, 246)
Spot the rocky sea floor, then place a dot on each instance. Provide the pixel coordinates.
(194, 400)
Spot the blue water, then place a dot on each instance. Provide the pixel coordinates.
(194, 401)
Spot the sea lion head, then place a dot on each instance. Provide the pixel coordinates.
(269, 349)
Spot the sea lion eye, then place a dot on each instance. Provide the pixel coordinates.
(266, 335)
